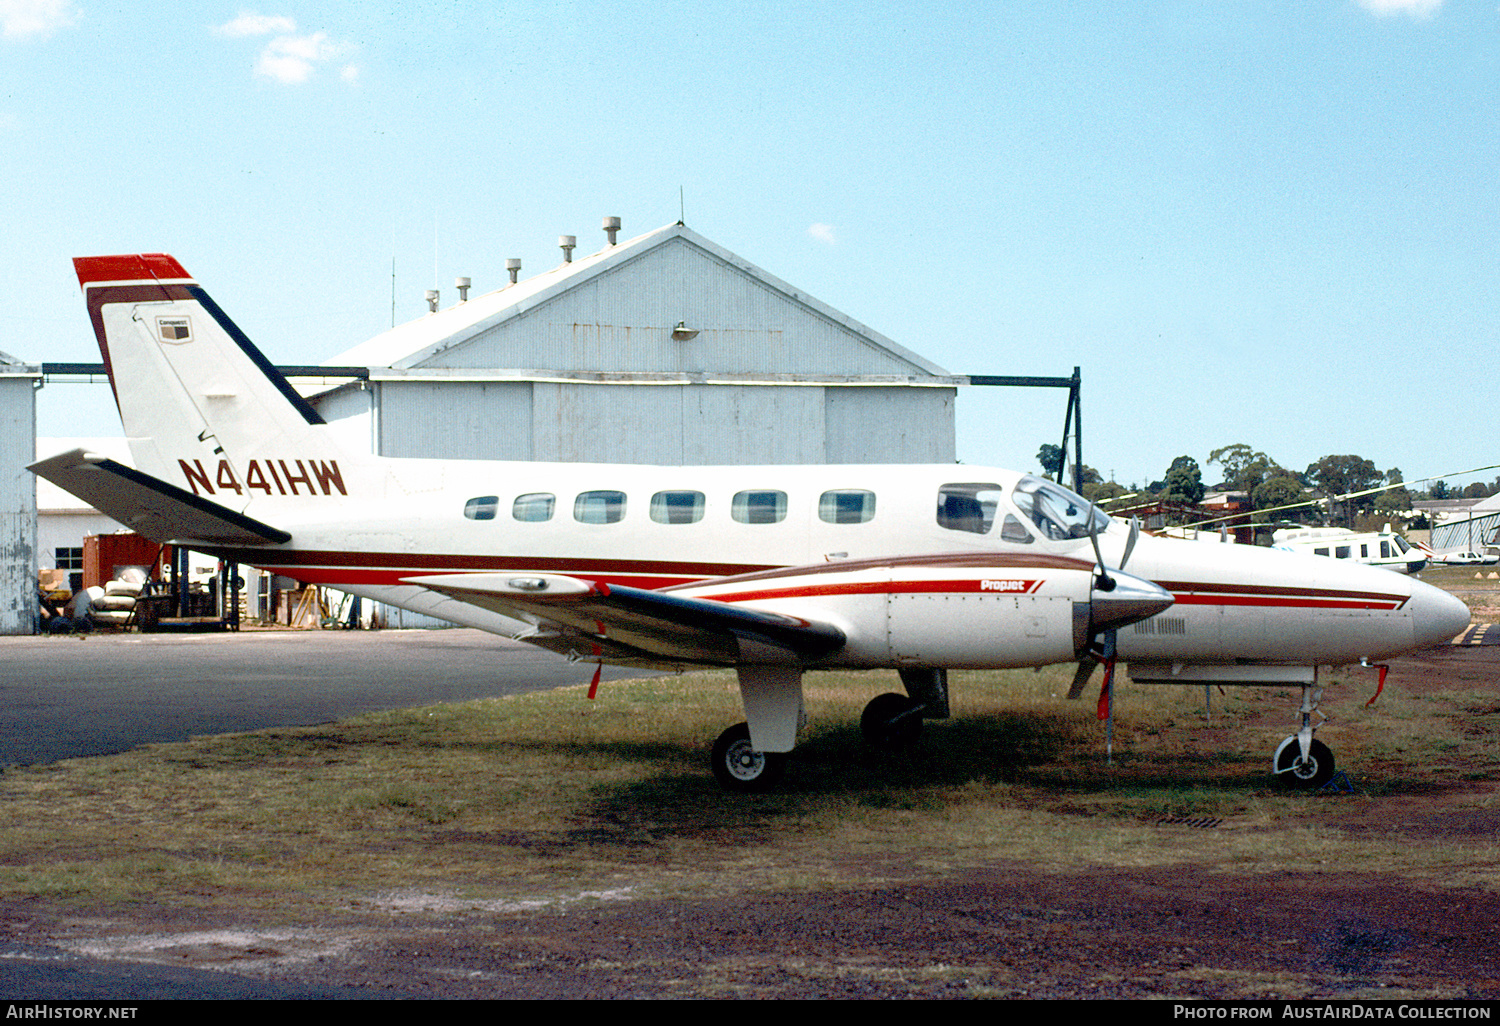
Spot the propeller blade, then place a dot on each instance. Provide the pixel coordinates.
(1105, 582)
(1135, 532)
(1086, 667)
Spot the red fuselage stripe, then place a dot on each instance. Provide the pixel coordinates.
(388, 569)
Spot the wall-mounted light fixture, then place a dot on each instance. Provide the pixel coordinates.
(682, 333)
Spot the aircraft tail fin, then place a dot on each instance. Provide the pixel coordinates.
(200, 403)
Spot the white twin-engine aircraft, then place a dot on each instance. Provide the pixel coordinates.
(771, 570)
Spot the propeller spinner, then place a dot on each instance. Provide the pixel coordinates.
(1116, 601)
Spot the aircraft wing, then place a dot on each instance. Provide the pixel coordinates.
(149, 506)
(633, 622)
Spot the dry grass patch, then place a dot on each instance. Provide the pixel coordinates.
(549, 794)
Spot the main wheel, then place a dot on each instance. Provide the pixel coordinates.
(739, 767)
(891, 721)
(1310, 775)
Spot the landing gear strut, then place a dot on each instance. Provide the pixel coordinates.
(1302, 761)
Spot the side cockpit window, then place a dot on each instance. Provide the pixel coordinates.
(482, 508)
(968, 507)
(1014, 531)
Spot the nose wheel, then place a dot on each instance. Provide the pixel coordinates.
(1302, 761)
(1305, 774)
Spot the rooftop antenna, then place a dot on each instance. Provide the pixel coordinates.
(681, 207)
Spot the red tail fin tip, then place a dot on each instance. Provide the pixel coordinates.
(128, 267)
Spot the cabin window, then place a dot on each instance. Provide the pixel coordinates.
(1364, 552)
(482, 508)
(847, 506)
(1320, 552)
(1341, 552)
(599, 507)
(758, 507)
(533, 507)
(968, 507)
(1385, 549)
(677, 507)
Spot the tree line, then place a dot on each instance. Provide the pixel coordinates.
(1269, 486)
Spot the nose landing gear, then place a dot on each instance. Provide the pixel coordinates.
(1301, 761)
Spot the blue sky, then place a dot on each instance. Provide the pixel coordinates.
(1274, 223)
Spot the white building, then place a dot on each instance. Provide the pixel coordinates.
(18, 543)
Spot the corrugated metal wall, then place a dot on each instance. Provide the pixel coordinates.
(18, 559)
(890, 425)
(688, 425)
(622, 320)
(482, 420)
(1473, 532)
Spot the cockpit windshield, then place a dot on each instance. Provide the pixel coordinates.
(1057, 513)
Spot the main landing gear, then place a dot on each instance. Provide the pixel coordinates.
(774, 694)
(1301, 761)
(739, 767)
(894, 720)
(891, 720)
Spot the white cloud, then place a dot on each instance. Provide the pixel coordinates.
(293, 59)
(823, 233)
(1411, 8)
(35, 19)
(288, 58)
(252, 24)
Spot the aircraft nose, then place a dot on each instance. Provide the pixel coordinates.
(1436, 616)
(1131, 599)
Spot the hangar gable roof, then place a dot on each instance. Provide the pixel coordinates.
(614, 311)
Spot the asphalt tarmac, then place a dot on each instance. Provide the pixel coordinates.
(69, 696)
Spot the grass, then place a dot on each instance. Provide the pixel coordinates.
(548, 793)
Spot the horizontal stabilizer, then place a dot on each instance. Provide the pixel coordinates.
(151, 507)
(671, 626)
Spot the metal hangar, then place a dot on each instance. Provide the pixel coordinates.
(664, 349)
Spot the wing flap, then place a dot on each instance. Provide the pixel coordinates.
(151, 507)
(667, 626)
